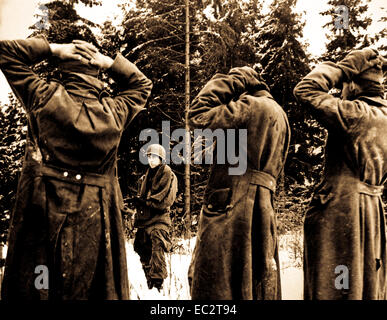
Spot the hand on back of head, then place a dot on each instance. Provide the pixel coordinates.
(358, 61)
(82, 51)
(96, 58)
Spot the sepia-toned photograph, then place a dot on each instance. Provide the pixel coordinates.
(193, 150)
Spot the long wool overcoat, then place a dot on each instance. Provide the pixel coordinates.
(67, 218)
(236, 254)
(345, 239)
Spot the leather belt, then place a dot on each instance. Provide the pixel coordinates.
(263, 179)
(73, 176)
(369, 189)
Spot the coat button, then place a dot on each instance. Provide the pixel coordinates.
(78, 177)
(65, 174)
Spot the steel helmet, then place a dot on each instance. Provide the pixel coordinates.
(157, 150)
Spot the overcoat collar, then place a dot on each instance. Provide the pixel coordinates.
(83, 85)
(262, 93)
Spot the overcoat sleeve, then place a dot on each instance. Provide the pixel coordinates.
(134, 89)
(331, 112)
(16, 59)
(221, 103)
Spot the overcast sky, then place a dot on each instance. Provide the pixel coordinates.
(16, 16)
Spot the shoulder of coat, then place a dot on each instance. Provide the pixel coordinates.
(167, 169)
(267, 105)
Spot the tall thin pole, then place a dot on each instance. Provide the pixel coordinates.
(187, 193)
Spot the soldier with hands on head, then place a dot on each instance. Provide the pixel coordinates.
(345, 235)
(67, 217)
(236, 254)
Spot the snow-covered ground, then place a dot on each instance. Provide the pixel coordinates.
(292, 282)
(176, 285)
(3, 254)
(292, 277)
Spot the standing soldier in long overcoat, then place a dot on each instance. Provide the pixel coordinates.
(67, 220)
(345, 237)
(236, 254)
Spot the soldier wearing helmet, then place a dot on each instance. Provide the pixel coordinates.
(156, 194)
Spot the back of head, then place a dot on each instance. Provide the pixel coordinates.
(68, 35)
(375, 73)
(370, 81)
(76, 66)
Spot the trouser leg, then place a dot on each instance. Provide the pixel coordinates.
(158, 267)
(143, 247)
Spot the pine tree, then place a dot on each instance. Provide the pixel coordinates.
(228, 37)
(13, 129)
(63, 24)
(282, 56)
(382, 35)
(60, 23)
(348, 35)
